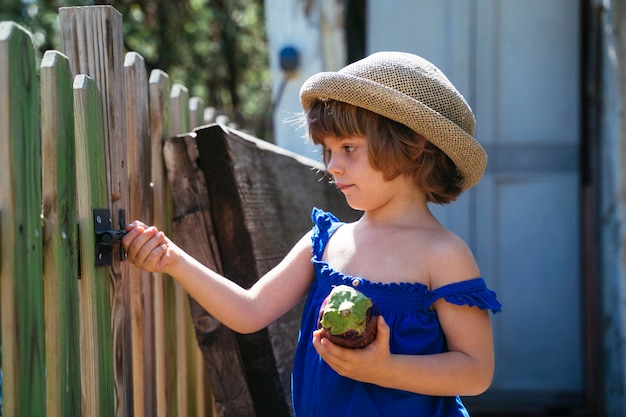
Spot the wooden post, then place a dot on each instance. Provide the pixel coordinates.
(140, 282)
(92, 39)
(21, 287)
(63, 384)
(97, 353)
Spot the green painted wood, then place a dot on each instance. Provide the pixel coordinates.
(97, 349)
(21, 270)
(60, 238)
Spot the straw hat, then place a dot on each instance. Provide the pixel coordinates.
(412, 91)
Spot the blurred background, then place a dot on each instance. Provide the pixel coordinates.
(546, 82)
(218, 48)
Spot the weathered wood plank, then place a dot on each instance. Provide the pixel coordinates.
(263, 381)
(92, 38)
(140, 282)
(63, 387)
(97, 353)
(159, 120)
(189, 177)
(21, 287)
(194, 232)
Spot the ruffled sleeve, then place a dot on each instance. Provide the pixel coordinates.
(473, 293)
(325, 225)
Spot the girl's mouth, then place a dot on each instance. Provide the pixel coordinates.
(342, 187)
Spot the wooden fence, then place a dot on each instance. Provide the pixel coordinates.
(83, 130)
(89, 140)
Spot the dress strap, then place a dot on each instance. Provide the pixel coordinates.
(325, 225)
(473, 292)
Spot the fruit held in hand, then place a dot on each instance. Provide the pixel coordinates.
(348, 318)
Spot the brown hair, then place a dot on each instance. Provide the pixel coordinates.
(394, 149)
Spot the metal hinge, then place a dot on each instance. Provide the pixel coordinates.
(107, 237)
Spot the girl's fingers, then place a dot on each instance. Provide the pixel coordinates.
(138, 242)
(147, 248)
(135, 224)
(132, 233)
(154, 259)
(152, 249)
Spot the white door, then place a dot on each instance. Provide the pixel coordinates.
(517, 64)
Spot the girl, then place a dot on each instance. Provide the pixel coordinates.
(396, 135)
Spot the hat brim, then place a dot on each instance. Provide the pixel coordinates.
(465, 151)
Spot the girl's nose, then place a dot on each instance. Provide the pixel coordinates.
(333, 166)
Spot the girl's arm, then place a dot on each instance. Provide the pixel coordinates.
(466, 369)
(243, 310)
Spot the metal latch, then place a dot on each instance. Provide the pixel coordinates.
(107, 237)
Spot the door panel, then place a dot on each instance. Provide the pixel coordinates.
(537, 276)
(527, 71)
(517, 64)
(527, 101)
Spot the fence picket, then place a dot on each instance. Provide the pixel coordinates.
(179, 123)
(196, 112)
(60, 238)
(179, 110)
(159, 85)
(136, 91)
(97, 350)
(21, 269)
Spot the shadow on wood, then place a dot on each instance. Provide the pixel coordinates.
(240, 205)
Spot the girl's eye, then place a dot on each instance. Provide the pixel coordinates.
(349, 148)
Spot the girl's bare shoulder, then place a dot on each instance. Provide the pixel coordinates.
(450, 259)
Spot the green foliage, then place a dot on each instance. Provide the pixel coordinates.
(216, 48)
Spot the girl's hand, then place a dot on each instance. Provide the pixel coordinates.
(369, 364)
(149, 249)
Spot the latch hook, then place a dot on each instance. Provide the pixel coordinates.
(107, 237)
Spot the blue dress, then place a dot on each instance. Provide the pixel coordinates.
(318, 391)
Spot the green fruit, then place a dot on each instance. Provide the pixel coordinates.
(346, 315)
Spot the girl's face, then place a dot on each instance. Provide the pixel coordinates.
(363, 186)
